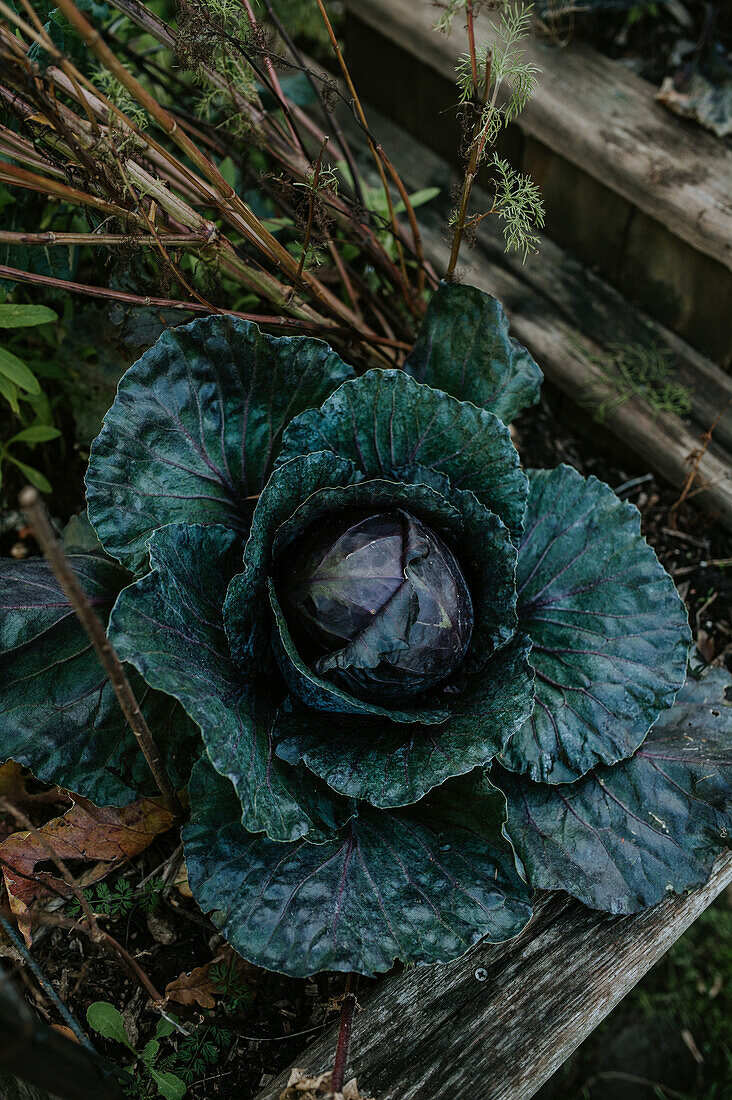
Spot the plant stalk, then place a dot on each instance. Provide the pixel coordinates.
(35, 512)
(344, 1034)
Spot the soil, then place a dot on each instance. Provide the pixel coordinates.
(273, 1017)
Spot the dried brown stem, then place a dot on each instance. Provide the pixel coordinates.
(172, 240)
(698, 456)
(372, 146)
(37, 516)
(311, 205)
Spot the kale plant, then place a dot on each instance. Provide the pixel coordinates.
(414, 683)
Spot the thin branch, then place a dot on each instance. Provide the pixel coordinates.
(694, 472)
(173, 240)
(329, 115)
(66, 1014)
(374, 152)
(37, 516)
(311, 205)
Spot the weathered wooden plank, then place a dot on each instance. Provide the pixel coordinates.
(676, 173)
(567, 316)
(661, 440)
(579, 296)
(497, 1023)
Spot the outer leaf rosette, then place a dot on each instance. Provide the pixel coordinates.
(58, 712)
(196, 426)
(624, 837)
(327, 588)
(609, 631)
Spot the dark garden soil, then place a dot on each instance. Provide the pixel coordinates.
(262, 1021)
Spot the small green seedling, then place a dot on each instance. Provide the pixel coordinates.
(18, 382)
(108, 1022)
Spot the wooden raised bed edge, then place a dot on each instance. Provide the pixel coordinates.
(629, 188)
(496, 1024)
(567, 317)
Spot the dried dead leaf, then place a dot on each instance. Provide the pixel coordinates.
(65, 1031)
(707, 103)
(91, 840)
(180, 882)
(302, 1087)
(200, 985)
(20, 788)
(161, 929)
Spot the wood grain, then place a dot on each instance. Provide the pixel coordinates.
(600, 117)
(568, 317)
(497, 1023)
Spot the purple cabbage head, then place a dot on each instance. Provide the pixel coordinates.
(380, 602)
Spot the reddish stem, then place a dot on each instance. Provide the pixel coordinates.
(344, 1034)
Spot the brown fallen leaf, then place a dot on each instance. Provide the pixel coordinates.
(20, 788)
(91, 840)
(302, 1087)
(180, 882)
(65, 1031)
(200, 985)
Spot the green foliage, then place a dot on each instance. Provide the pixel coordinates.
(631, 370)
(199, 1052)
(109, 1022)
(481, 75)
(518, 203)
(117, 94)
(692, 988)
(21, 389)
(189, 1055)
(119, 899)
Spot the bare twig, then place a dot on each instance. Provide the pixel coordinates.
(66, 1014)
(372, 146)
(697, 457)
(37, 516)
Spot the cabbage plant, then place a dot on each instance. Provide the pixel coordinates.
(406, 682)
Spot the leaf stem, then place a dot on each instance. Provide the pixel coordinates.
(37, 516)
(344, 1034)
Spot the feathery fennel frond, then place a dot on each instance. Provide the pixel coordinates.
(518, 203)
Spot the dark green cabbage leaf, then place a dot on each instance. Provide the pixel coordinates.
(464, 348)
(58, 712)
(169, 626)
(626, 836)
(196, 426)
(389, 886)
(391, 427)
(610, 633)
